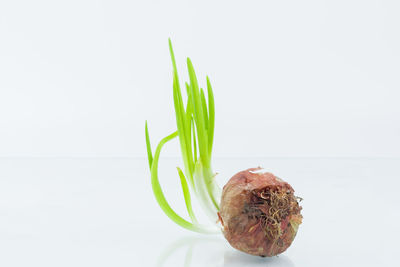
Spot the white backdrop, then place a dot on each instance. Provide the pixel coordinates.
(291, 78)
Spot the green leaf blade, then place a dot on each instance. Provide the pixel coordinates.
(194, 141)
(198, 114)
(211, 115)
(160, 197)
(204, 108)
(181, 120)
(148, 146)
(186, 195)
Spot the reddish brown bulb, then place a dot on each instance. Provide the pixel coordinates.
(259, 213)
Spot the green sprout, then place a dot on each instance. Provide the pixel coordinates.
(195, 129)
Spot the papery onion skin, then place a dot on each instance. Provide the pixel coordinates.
(259, 213)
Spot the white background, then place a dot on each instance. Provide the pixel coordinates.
(291, 78)
(307, 89)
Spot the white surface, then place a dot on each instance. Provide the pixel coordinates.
(304, 78)
(101, 212)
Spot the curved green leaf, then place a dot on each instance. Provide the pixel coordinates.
(159, 195)
(148, 146)
(186, 194)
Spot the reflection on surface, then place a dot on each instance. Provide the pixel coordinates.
(213, 251)
(234, 258)
(188, 243)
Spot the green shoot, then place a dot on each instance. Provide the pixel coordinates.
(195, 129)
(148, 146)
(186, 194)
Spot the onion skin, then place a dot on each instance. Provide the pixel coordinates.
(259, 213)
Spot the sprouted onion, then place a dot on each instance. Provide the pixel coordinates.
(258, 211)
